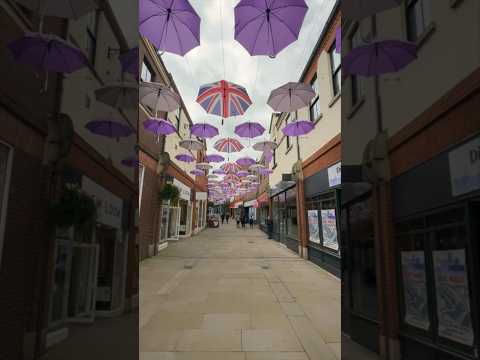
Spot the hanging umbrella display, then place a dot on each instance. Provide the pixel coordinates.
(203, 166)
(224, 99)
(172, 26)
(228, 145)
(109, 128)
(158, 97)
(230, 168)
(252, 177)
(379, 58)
(70, 9)
(159, 126)
(290, 97)
(359, 9)
(215, 158)
(119, 95)
(129, 61)
(219, 171)
(245, 161)
(231, 177)
(265, 145)
(197, 172)
(185, 158)
(268, 27)
(212, 176)
(265, 172)
(268, 155)
(130, 162)
(249, 130)
(191, 144)
(204, 131)
(242, 173)
(298, 128)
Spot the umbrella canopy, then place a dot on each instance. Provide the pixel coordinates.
(48, 52)
(219, 171)
(129, 61)
(215, 158)
(224, 99)
(109, 128)
(203, 166)
(265, 145)
(268, 155)
(212, 176)
(242, 173)
(158, 97)
(119, 95)
(249, 130)
(171, 26)
(130, 162)
(197, 172)
(185, 158)
(290, 97)
(252, 177)
(159, 126)
(359, 9)
(204, 131)
(71, 9)
(191, 144)
(379, 58)
(266, 27)
(228, 145)
(246, 161)
(230, 168)
(298, 128)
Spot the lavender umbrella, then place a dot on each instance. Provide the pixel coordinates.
(171, 26)
(219, 171)
(290, 97)
(129, 61)
(242, 173)
(130, 162)
(265, 172)
(158, 97)
(249, 130)
(215, 158)
(119, 95)
(298, 128)
(109, 128)
(245, 161)
(197, 172)
(204, 131)
(379, 58)
(268, 154)
(359, 9)
(159, 126)
(203, 166)
(266, 27)
(185, 158)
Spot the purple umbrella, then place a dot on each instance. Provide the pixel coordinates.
(298, 128)
(265, 172)
(245, 161)
(129, 61)
(170, 25)
(266, 27)
(219, 171)
(197, 172)
(338, 40)
(204, 131)
(109, 128)
(268, 154)
(185, 158)
(130, 162)
(215, 158)
(159, 126)
(290, 97)
(242, 173)
(379, 58)
(249, 130)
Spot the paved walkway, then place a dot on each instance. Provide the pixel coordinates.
(232, 294)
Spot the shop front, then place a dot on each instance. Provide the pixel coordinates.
(263, 211)
(322, 201)
(250, 210)
(185, 209)
(284, 216)
(201, 211)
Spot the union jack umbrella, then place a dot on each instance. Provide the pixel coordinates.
(228, 145)
(231, 168)
(224, 99)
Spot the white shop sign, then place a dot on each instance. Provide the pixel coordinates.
(201, 196)
(335, 175)
(109, 206)
(465, 167)
(184, 190)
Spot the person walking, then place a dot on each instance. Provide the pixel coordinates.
(223, 217)
(237, 217)
(251, 221)
(242, 219)
(227, 217)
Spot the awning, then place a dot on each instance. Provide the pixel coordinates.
(235, 205)
(262, 198)
(250, 203)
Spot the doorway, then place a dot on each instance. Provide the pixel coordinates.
(106, 239)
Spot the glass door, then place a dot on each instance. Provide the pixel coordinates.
(164, 221)
(174, 223)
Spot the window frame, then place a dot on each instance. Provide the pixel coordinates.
(141, 179)
(146, 64)
(5, 197)
(355, 81)
(334, 72)
(316, 100)
(286, 136)
(424, 20)
(92, 30)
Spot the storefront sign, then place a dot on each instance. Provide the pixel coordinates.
(201, 196)
(110, 207)
(249, 203)
(329, 229)
(465, 167)
(415, 289)
(335, 175)
(452, 294)
(184, 190)
(314, 226)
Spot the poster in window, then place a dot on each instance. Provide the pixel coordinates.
(314, 226)
(453, 298)
(329, 229)
(415, 289)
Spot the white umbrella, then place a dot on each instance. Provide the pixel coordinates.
(203, 166)
(265, 145)
(191, 144)
(257, 167)
(158, 97)
(119, 95)
(71, 9)
(359, 9)
(290, 97)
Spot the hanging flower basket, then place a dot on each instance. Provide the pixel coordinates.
(169, 193)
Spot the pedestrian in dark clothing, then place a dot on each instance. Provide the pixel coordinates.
(223, 218)
(251, 222)
(237, 217)
(227, 217)
(242, 219)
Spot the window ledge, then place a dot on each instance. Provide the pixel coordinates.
(422, 39)
(355, 107)
(335, 99)
(289, 148)
(318, 119)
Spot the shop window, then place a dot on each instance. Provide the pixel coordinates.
(292, 221)
(322, 221)
(336, 69)
(147, 72)
(418, 18)
(5, 172)
(315, 103)
(178, 116)
(356, 81)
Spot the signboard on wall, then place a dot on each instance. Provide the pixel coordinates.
(335, 175)
(329, 229)
(452, 294)
(465, 167)
(110, 207)
(201, 196)
(184, 190)
(415, 289)
(314, 226)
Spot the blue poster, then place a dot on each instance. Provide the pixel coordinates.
(329, 229)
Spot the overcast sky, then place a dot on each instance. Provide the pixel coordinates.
(259, 74)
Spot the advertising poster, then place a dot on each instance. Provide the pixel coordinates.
(329, 229)
(453, 298)
(415, 289)
(314, 226)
